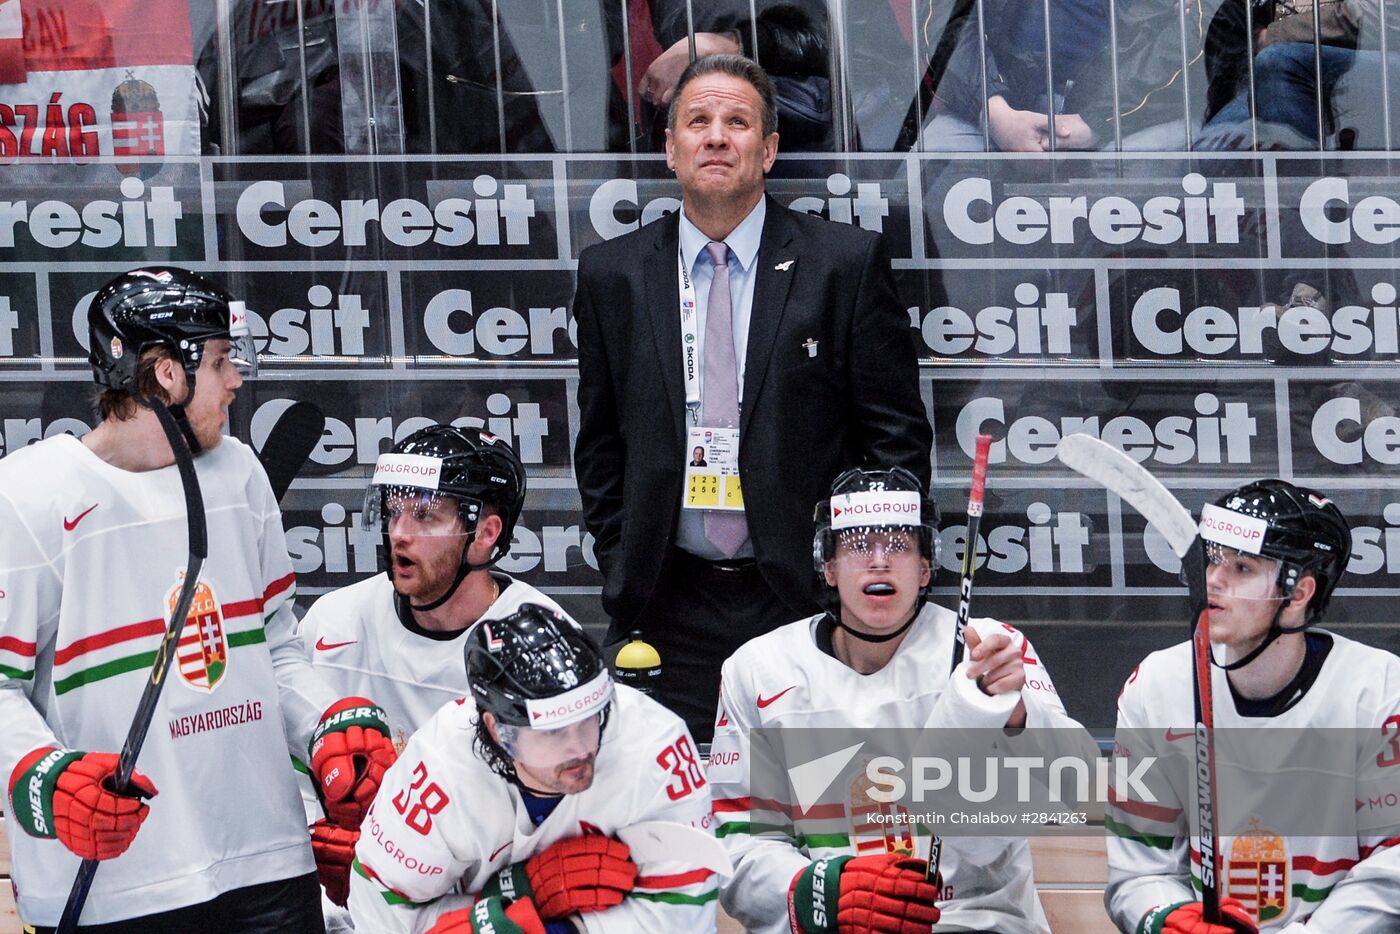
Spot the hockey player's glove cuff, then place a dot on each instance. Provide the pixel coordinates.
(491, 914)
(885, 894)
(334, 849)
(67, 794)
(350, 752)
(1185, 918)
(580, 874)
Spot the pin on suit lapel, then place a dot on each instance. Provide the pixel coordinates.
(776, 268)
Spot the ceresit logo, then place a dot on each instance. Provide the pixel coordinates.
(1161, 326)
(571, 706)
(1329, 216)
(408, 470)
(497, 215)
(874, 507)
(1232, 529)
(1112, 219)
(140, 219)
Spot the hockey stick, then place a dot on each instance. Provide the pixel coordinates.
(1131, 482)
(969, 567)
(661, 841)
(289, 444)
(145, 709)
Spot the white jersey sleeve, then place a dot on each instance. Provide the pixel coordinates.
(31, 592)
(758, 837)
(1365, 898)
(301, 693)
(1148, 849)
(671, 895)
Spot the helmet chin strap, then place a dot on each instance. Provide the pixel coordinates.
(1275, 630)
(464, 568)
(177, 411)
(870, 637)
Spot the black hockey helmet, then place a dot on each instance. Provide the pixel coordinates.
(1300, 528)
(162, 306)
(536, 668)
(868, 500)
(864, 499)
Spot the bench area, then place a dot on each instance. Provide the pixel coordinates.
(1070, 873)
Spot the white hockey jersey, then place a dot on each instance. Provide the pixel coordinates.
(360, 647)
(91, 557)
(1342, 882)
(783, 679)
(443, 822)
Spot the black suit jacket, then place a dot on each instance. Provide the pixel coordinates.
(803, 419)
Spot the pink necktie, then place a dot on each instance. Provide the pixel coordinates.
(720, 403)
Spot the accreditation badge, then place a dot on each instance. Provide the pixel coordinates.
(712, 469)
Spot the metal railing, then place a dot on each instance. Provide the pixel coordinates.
(373, 99)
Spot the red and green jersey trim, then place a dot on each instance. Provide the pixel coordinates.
(389, 895)
(662, 888)
(20, 654)
(1156, 842)
(155, 629)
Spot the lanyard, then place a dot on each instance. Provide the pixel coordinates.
(690, 340)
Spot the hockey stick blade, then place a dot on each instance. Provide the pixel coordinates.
(657, 841)
(290, 443)
(1130, 481)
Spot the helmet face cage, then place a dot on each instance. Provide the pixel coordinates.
(163, 307)
(1302, 530)
(855, 481)
(536, 668)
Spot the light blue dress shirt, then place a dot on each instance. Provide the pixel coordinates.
(743, 243)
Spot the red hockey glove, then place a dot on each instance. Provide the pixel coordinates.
(587, 873)
(350, 752)
(334, 848)
(67, 794)
(490, 914)
(1185, 918)
(885, 894)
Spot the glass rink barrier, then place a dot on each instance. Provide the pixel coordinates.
(1170, 224)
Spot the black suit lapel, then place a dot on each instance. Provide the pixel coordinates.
(662, 296)
(775, 267)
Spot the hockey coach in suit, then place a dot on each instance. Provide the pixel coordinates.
(750, 328)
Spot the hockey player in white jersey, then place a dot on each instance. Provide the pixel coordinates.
(879, 657)
(445, 501)
(501, 816)
(91, 560)
(1275, 552)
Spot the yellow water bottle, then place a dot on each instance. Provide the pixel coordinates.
(637, 664)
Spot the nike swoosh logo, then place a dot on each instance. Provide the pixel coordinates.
(71, 524)
(1173, 736)
(324, 646)
(498, 851)
(765, 701)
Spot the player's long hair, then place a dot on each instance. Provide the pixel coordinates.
(490, 751)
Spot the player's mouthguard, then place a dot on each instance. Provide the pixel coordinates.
(880, 589)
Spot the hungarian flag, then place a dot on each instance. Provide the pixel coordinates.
(98, 78)
(11, 43)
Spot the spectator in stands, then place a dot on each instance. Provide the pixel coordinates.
(1287, 80)
(1077, 83)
